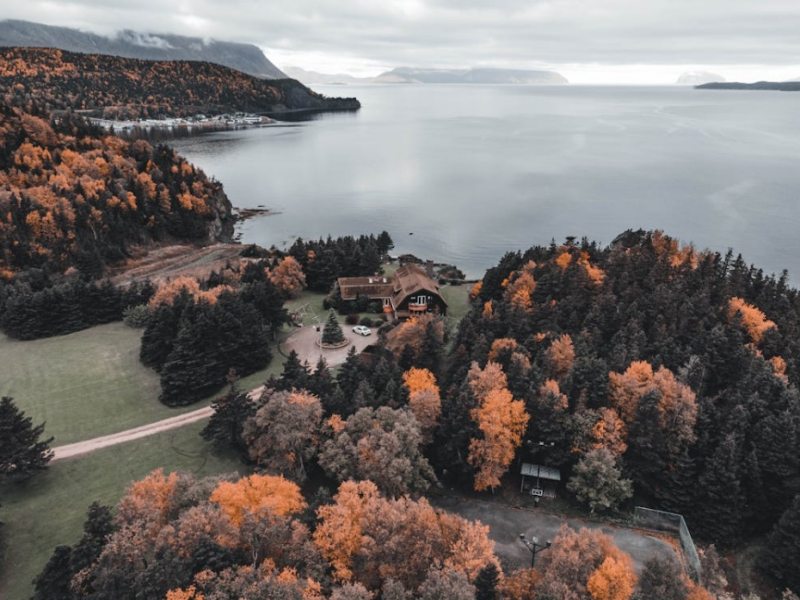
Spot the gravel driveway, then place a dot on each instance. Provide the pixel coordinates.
(506, 523)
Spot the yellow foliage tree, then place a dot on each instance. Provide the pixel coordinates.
(502, 421)
(339, 534)
(628, 387)
(417, 380)
(753, 320)
(614, 579)
(560, 356)
(250, 494)
(610, 432)
(288, 277)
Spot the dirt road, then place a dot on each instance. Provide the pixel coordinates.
(87, 446)
(304, 342)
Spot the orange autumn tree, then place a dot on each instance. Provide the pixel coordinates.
(169, 290)
(251, 494)
(339, 534)
(628, 387)
(369, 539)
(677, 405)
(288, 277)
(614, 579)
(502, 421)
(609, 432)
(675, 253)
(560, 356)
(521, 287)
(754, 321)
(576, 558)
(412, 333)
(424, 400)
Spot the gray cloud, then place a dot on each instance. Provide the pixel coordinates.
(514, 33)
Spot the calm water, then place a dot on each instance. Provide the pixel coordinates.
(474, 171)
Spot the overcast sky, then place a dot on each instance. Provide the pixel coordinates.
(588, 41)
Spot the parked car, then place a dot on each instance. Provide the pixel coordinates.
(362, 330)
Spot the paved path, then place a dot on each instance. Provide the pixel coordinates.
(304, 342)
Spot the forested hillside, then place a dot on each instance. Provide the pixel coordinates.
(114, 87)
(71, 196)
(680, 368)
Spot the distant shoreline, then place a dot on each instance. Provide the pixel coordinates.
(774, 86)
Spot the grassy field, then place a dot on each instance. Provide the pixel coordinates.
(90, 383)
(49, 510)
(457, 297)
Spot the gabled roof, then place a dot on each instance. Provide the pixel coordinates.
(371, 287)
(410, 279)
(406, 281)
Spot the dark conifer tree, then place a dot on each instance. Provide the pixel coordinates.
(332, 332)
(486, 583)
(225, 428)
(781, 553)
(53, 583)
(22, 453)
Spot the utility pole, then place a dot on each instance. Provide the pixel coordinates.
(535, 547)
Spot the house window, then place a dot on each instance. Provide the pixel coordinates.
(419, 301)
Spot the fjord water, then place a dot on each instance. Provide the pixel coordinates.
(475, 171)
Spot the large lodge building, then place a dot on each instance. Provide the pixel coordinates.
(409, 291)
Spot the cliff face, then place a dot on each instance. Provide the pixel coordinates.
(246, 58)
(113, 87)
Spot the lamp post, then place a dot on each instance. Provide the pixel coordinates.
(535, 547)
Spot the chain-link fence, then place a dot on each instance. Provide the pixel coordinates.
(673, 523)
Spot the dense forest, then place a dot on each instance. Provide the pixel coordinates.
(647, 371)
(127, 88)
(681, 366)
(71, 196)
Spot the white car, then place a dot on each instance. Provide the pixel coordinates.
(362, 330)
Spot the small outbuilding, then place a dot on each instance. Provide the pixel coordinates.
(539, 481)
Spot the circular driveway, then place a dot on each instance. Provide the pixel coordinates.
(305, 341)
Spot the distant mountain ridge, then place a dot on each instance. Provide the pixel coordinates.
(246, 58)
(699, 78)
(413, 75)
(476, 75)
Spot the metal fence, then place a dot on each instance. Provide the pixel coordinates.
(673, 523)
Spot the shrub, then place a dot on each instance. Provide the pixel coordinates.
(136, 317)
(351, 319)
(366, 321)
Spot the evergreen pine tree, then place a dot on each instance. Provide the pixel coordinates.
(781, 554)
(486, 583)
(225, 428)
(349, 376)
(22, 453)
(53, 583)
(332, 333)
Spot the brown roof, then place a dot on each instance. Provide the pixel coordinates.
(372, 287)
(405, 281)
(410, 279)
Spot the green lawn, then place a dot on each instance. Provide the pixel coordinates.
(309, 304)
(49, 509)
(90, 383)
(457, 297)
